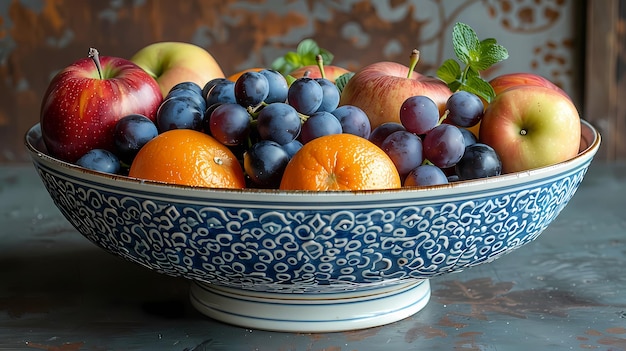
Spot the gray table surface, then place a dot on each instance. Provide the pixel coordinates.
(564, 291)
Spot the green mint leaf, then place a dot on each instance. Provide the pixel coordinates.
(481, 88)
(477, 85)
(490, 54)
(307, 47)
(326, 56)
(305, 54)
(466, 43)
(290, 79)
(342, 80)
(278, 64)
(477, 56)
(450, 71)
(455, 86)
(293, 59)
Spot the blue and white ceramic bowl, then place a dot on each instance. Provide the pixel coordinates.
(310, 261)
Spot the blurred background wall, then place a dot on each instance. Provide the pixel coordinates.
(40, 37)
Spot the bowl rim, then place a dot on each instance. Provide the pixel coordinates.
(590, 143)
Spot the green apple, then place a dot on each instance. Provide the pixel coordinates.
(171, 63)
(531, 127)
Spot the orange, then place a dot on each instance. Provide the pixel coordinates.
(188, 157)
(233, 77)
(340, 162)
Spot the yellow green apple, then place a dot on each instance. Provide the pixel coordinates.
(531, 126)
(173, 62)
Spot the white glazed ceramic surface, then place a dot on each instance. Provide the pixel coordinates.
(283, 260)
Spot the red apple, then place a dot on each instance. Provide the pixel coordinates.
(380, 88)
(510, 80)
(530, 127)
(331, 72)
(85, 100)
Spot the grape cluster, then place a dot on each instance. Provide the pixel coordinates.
(265, 120)
(430, 149)
(260, 117)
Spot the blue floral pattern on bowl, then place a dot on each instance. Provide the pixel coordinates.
(312, 249)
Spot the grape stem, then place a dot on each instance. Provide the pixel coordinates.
(94, 55)
(303, 117)
(255, 110)
(320, 64)
(414, 58)
(443, 117)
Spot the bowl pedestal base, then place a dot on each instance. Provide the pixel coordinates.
(311, 313)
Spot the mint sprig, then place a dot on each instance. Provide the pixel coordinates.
(477, 56)
(305, 55)
(342, 80)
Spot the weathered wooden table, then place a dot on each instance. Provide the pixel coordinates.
(564, 291)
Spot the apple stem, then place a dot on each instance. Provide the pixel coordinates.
(93, 54)
(320, 64)
(415, 56)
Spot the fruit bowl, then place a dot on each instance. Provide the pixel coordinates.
(303, 261)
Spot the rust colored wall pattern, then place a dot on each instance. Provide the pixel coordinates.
(38, 38)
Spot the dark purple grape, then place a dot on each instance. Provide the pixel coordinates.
(210, 84)
(223, 90)
(419, 114)
(380, 133)
(278, 86)
(292, 147)
(191, 93)
(319, 124)
(305, 95)
(444, 145)
(330, 95)
(479, 161)
(100, 160)
(206, 126)
(131, 133)
(193, 86)
(265, 163)
(425, 175)
(405, 150)
(279, 122)
(468, 137)
(464, 109)
(251, 88)
(179, 112)
(453, 178)
(353, 120)
(230, 124)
